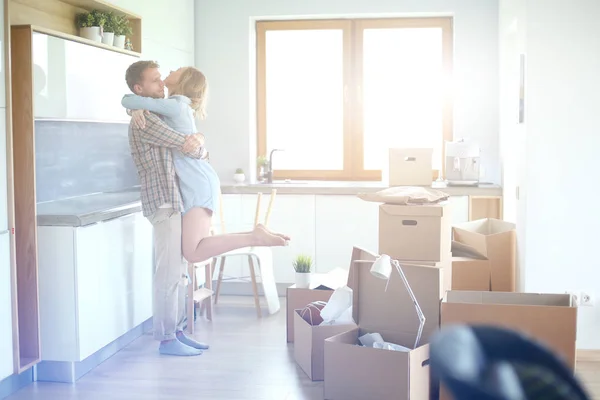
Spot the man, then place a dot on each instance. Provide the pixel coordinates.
(151, 148)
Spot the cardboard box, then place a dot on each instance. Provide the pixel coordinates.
(309, 340)
(356, 372)
(495, 241)
(470, 274)
(410, 167)
(548, 318)
(321, 289)
(415, 232)
(309, 343)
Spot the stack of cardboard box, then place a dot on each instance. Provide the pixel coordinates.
(475, 285)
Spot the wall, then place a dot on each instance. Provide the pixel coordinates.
(224, 52)
(168, 36)
(513, 43)
(167, 30)
(562, 141)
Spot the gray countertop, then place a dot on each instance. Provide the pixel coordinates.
(347, 188)
(90, 209)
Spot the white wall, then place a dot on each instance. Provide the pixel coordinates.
(224, 52)
(167, 30)
(562, 144)
(513, 43)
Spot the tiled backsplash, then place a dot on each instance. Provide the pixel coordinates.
(77, 158)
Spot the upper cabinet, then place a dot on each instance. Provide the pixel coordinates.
(75, 81)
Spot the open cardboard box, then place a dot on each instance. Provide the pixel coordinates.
(415, 232)
(493, 240)
(309, 340)
(548, 318)
(321, 289)
(356, 372)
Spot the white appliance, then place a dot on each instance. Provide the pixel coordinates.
(462, 163)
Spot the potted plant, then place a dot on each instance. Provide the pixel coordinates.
(122, 29)
(239, 176)
(110, 25)
(261, 163)
(303, 266)
(91, 25)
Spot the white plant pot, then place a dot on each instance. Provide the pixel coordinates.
(239, 178)
(108, 38)
(302, 280)
(92, 33)
(119, 41)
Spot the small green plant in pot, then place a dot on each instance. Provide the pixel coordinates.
(122, 30)
(110, 26)
(239, 176)
(261, 163)
(303, 266)
(91, 25)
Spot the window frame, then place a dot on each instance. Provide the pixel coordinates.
(353, 151)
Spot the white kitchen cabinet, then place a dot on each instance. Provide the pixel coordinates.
(6, 339)
(95, 285)
(460, 209)
(76, 81)
(343, 222)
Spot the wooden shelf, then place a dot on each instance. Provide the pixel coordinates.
(79, 39)
(59, 17)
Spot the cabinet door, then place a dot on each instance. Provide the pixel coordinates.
(6, 343)
(143, 269)
(460, 209)
(343, 222)
(293, 215)
(99, 292)
(76, 81)
(231, 212)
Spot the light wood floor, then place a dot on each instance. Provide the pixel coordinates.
(249, 359)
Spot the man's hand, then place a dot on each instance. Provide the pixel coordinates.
(193, 143)
(138, 118)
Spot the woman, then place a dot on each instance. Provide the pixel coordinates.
(198, 181)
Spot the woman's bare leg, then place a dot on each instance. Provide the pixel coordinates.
(198, 245)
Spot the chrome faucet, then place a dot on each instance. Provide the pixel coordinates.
(270, 166)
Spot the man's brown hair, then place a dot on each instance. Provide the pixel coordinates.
(134, 73)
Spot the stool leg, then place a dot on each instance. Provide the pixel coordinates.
(208, 273)
(190, 299)
(254, 286)
(220, 280)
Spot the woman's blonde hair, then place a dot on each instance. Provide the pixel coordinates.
(193, 84)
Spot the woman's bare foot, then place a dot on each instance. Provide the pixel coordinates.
(262, 237)
(261, 226)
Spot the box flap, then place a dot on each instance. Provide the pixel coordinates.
(421, 210)
(505, 298)
(376, 309)
(462, 250)
(486, 226)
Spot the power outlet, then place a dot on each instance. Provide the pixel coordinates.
(586, 300)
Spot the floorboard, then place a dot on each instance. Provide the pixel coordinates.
(249, 360)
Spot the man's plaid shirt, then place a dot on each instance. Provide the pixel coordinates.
(151, 149)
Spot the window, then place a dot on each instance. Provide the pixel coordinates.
(336, 94)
